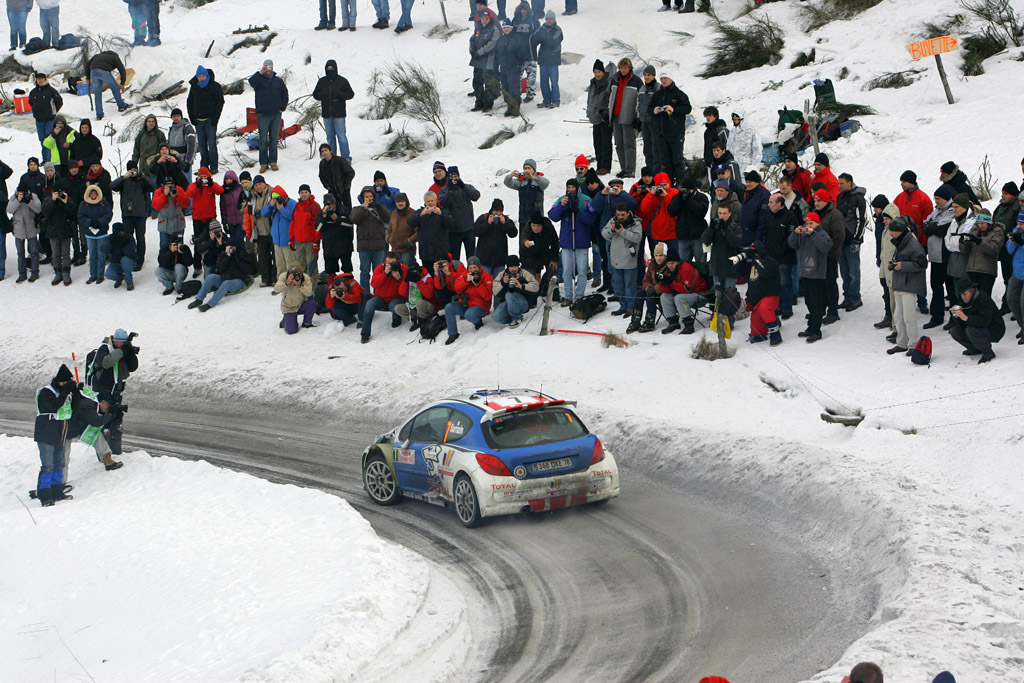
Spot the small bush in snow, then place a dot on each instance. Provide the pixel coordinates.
(1000, 18)
(983, 184)
(739, 48)
(407, 89)
(817, 14)
(977, 48)
(896, 79)
(803, 59)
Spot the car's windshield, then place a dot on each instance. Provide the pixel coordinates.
(533, 428)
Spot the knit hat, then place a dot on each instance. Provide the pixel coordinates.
(822, 196)
(89, 199)
(119, 335)
(64, 374)
(244, 175)
(497, 204)
(1011, 188)
(821, 158)
(1020, 217)
(168, 180)
(162, 145)
(329, 199)
(582, 160)
(598, 65)
(944, 677)
(948, 168)
(474, 261)
(294, 268)
(549, 15)
(688, 184)
(214, 224)
(40, 74)
(591, 177)
(452, 170)
(32, 160)
(984, 216)
(176, 112)
(572, 182)
(646, 171)
(899, 224)
(93, 161)
(117, 227)
(269, 62)
(305, 187)
(512, 261)
(812, 217)
(962, 200)
(660, 249)
(723, 183)
(964, 284)
(537, 217)
(532, 163)
(439, 165)
(662, 178)
(48, 166)
(507, 22)
(379, 175)
(402, 197)
(908, 177)
(258, 179)
(649, 69)
(132, 164)
(203, 71)
(792, 157)
(880, 201)
(752, 177)
(944, 192)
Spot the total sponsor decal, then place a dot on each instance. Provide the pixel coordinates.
(601, 473)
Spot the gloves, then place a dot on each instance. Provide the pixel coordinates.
(291, 244)
(316, 247)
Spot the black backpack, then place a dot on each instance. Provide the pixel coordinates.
(587, 307)
(433, 327)
(68, 41)
(922, 353)
(731, 302)
(189, 289)
(35, 45)
(320, 295)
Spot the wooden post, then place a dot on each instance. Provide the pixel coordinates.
(942, 77)
(552, 286)
(444, 15)
(723, 349)
(812, 126)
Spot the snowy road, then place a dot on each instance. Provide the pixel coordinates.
(659, 585)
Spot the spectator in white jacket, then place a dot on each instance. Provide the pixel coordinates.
(744, 142)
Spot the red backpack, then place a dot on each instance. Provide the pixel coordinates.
(922, 353)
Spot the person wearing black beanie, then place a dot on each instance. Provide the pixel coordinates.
(600, 117)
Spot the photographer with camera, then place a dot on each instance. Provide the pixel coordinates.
(763, 288)
(90, 414)
(390, 289)
(23, 207)
(626, 236)
(935, 227)
(907, 264)
(473, 292)
(167, 165)
(173, 263)
(112, 364)
(169, 203)
(62, 226)
(296, 290)
(279, 211)
(812, 244)
(345, 298)
(203, 194)
(531, 186)
(336, 172)
(371, 219)
(121, 256)
(538, 249)
(457, 199)
(303, 239)
(229, 273)
(135, 190)
(492, 231)
(724, 238)
(422, 303)
(432, 225)
(976, 323)
(94, 216)
(515, 292)
(401, 236)
(577, 220)
(209, 247)
(981, 248)
(336, 235)
(679, 285)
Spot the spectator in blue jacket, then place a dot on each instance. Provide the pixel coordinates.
(577, 219)
(271, 101)
(279, 210)
(382, 192)
(755, 208)
(548, 39)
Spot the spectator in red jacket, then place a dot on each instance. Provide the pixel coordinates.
(473, 290)
(799, 178)
(655, 205)
(389, 290)
(914, 203)
(422, 303)
(303, 238)
(345, 298)
(203, 194)
(823, 174)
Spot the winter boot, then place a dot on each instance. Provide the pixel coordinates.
(109, 463)
(884, 323)
(58, 492)
(648, 324)
(673, 325)
(687, 325)
(775, 333)
(687, 8)
(634, 321)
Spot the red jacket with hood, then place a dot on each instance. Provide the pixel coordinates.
(204, 199)
(303, 225)
(477, 294)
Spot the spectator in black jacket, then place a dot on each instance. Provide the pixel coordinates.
(976, 323)
(336, 175)
(723, 236)
(100, 72)
(763, 289)
(136, 200)
(778, 225)
(205, 104)
(86, 144)
(950, 174)
(336, 235)
(122, 255)
(689, 207)
(669, 107)
(271, 101)
(511, 53)
(492, 231)
(715, 130)
(228, 274)
(433, 226)
(173, 263)
(538, 249)
(167, 166)
(45, 102)
(61, 215)
(53, 412)
(333, 91)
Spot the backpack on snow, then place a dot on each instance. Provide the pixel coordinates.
(68, 41)
(34, 45)
(922, 353)
(587, 307)
(731, 302)
(433, 327)
(189, 289)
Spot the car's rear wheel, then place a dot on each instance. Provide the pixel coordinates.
(467, 506)
(379, 481)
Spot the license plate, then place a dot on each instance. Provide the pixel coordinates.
(548, 465)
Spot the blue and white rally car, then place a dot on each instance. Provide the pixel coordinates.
(492, 453)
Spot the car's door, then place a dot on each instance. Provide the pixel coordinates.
(425, 429)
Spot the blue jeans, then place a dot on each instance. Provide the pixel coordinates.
(98, 78)
(43, 128)
(514, 307)
(328, 11)
(549, 84)
(97, 255)
(406, 257)
(624, 284)
(378, 304)
(51, 465)
(348, 12)
(574, 267)
(787, 291)
(381, 8)
(369, 259)
(138, 14)
(118, 270)
(222, 286)
(152, 17)
(849, 268)
(455, 310)
(17, 20)
(49, 22)
(493, 271)
(336, 131)
(206, 137)
(406, 18)
(270, 128)
(570, 7)
(31, 258)
(691, 251)
(172, 279)
(347, 313)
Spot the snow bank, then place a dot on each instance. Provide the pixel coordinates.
(181, 571)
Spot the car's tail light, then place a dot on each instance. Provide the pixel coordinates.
(598, 454)
(492, 465)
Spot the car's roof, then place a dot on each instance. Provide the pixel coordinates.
(500, 401)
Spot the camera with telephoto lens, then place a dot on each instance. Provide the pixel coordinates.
(475, 277)
(26, 196)
(412, 274)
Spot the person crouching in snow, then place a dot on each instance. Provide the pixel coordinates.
(345, 298)
(296, 290)
(121, 256)
(764, 285)
(474, 290)
(229, 272)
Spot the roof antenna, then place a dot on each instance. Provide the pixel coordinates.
(497, 370)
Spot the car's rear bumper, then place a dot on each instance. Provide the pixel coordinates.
(509, 496)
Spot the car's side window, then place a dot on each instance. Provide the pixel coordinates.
(403, 434)
(429, 426)
(458, 426)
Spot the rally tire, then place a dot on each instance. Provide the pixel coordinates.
(465, 502)
(379, 481)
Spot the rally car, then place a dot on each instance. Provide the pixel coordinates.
(488, 453)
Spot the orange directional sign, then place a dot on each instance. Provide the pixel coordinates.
(935, 46)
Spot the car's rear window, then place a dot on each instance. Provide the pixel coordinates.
(533, 428)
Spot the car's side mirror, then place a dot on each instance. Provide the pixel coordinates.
(405, 444)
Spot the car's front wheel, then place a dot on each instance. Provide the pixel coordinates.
(379, 481)
(467, 506)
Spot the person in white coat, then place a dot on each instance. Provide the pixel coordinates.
(744, 142)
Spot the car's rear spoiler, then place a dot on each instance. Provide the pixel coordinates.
(491, 414)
